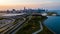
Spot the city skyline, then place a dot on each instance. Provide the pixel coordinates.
(19, 4)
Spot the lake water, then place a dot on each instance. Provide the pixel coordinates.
(53, 22)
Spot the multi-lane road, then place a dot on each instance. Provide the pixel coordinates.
(10, 27)
(6, 24)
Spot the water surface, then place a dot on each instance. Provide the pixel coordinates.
(53, 22)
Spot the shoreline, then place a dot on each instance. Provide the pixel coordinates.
(50, 29)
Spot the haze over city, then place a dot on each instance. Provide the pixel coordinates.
(19, 4)
(29, 16)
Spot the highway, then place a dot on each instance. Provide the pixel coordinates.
(10, 21)
(15, 28)
(10, 27)
(6, 26)
(18, 28)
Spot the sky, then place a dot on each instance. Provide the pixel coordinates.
(19, 4)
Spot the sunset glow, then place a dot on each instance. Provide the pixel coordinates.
(17, 4)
